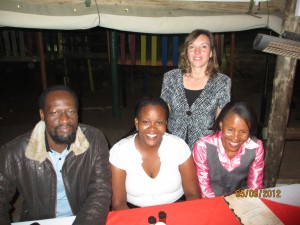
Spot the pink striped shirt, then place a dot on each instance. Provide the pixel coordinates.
(255, 176)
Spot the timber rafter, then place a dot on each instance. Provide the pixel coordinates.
(273, 7)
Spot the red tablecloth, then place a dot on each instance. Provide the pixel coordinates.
(288, 214)
(203, 211)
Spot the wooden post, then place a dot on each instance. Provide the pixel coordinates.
(232, 47)
(218, 48)
(280, 105)
(42, 59)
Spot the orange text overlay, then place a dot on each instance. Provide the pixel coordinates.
(263, 193)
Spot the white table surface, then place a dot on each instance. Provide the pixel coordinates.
(290, 194)
(55, 221)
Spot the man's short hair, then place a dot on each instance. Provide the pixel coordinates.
(45, 93)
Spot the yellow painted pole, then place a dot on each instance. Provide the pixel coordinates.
(153, 50)
(60, 46)
(90, 74)
(143, 50)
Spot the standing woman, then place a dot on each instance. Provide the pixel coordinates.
(196, 92)
(152, 167)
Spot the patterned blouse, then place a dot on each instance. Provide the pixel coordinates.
(191, 123)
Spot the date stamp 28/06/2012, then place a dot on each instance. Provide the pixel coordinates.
(263, 193)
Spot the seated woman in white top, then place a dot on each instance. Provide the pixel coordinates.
(151, 167)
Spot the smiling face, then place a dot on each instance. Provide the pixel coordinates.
(151, 125)
(61, 119)
(199, 52)
(235, 132)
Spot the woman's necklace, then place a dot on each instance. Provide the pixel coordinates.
(196, 77)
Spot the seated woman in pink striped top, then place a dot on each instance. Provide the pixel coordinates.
(232, 157)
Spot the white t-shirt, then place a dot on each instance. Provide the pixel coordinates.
(143, 190)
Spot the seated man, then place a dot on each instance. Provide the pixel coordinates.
(60, 168)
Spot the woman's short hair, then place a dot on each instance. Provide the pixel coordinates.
(244, 110)
(184, 63)
(146, 101)
(151, 100)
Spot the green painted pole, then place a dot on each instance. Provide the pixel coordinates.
(114, 74)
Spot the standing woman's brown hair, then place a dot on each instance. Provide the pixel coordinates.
(184, 63)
